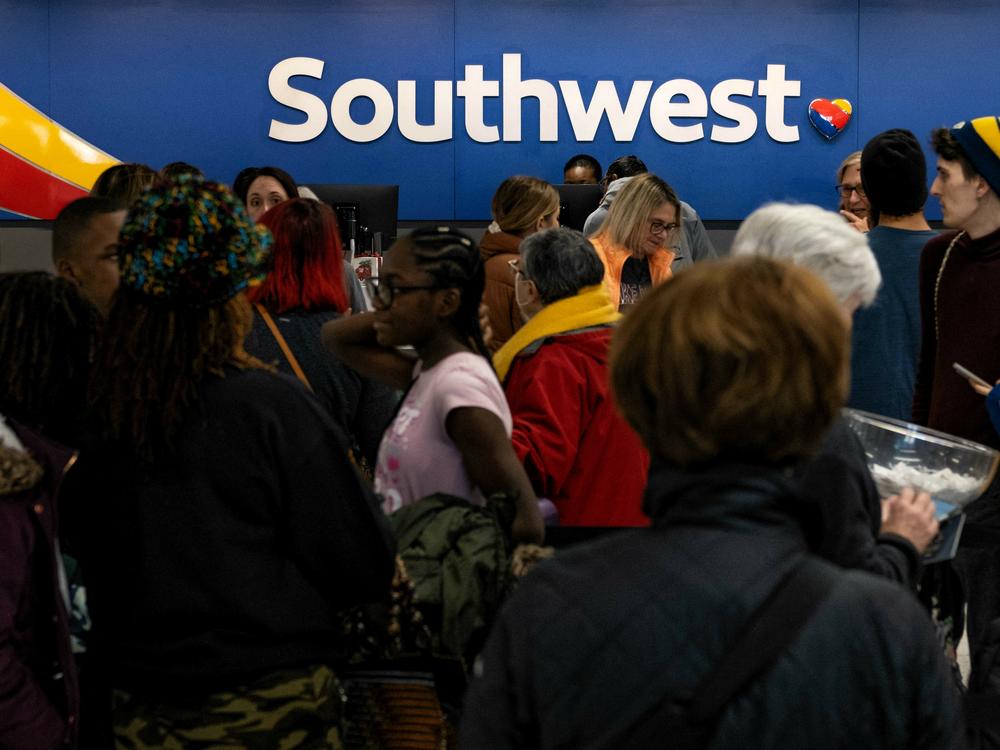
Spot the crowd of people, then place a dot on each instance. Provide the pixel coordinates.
(229, 475)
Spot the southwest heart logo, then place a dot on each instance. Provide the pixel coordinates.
(829, 118)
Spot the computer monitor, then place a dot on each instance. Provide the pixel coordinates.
(576, 203)
(367, 215)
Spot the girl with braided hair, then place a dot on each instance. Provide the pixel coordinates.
(452, 432)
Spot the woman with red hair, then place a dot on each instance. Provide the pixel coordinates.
(303, 290)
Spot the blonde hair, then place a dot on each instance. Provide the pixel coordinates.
(744, 359)
(851, 160)
(521, 201)
(632, 207)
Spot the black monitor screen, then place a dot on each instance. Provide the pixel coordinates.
(367, 214)
(577, 202)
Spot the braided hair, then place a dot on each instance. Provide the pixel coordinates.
(453, 259)
(48, 333)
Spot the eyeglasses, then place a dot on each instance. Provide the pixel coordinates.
(386, 293)
(845, 190)
(658, 227)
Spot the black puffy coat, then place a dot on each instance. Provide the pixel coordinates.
(597, 637)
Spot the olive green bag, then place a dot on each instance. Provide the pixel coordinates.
(458, 557)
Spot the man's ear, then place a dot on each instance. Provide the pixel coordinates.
(982, 186)
(65, 269)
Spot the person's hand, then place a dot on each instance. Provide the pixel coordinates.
(982, 390)
(910, 514)
(861, 224)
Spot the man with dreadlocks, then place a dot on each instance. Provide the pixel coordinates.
(47, 331)
(231, 527)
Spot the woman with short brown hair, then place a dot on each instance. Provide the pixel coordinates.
(736, 383)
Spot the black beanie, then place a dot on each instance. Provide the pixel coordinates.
(894, 173)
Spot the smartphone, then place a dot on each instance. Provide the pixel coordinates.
(970, 376)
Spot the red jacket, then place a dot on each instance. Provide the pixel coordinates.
(577, 450)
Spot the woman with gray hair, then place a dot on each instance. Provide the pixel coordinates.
(854, 534)
(819, 240)
(576, 449)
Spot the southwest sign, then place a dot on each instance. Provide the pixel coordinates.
(676, 99)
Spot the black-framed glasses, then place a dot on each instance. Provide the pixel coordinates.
(386, 292)
(844, 191)
(658, 227)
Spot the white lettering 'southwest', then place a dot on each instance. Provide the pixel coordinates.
(441, 129)
(474, 89)
(775, 89)
(340, 110)
(662, 108)
(514, 90)
(677, 99)
(605, 101)
(283, 93)
(744, 116)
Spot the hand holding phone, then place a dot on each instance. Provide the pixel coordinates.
(974, 379)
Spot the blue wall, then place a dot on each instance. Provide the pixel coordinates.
(157, 82)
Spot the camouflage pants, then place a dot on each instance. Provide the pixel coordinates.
(293, 709)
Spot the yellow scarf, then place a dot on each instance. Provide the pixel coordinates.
(591, 307)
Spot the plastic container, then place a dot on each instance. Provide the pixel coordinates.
(953, 470)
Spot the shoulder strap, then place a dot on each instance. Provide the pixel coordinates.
(285, 349)
(772, 628)
(300, 374)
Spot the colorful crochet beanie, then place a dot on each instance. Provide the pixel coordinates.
(188, 242)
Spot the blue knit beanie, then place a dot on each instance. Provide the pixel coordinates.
(980, 140)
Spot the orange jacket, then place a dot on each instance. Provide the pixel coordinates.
(614, 256)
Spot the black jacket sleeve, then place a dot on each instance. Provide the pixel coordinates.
(838, 480)
(334, 522)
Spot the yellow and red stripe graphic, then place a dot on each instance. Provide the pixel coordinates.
(43, 166)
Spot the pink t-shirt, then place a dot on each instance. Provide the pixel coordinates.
(416, 457)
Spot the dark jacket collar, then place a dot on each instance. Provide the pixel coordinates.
(730, 494)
